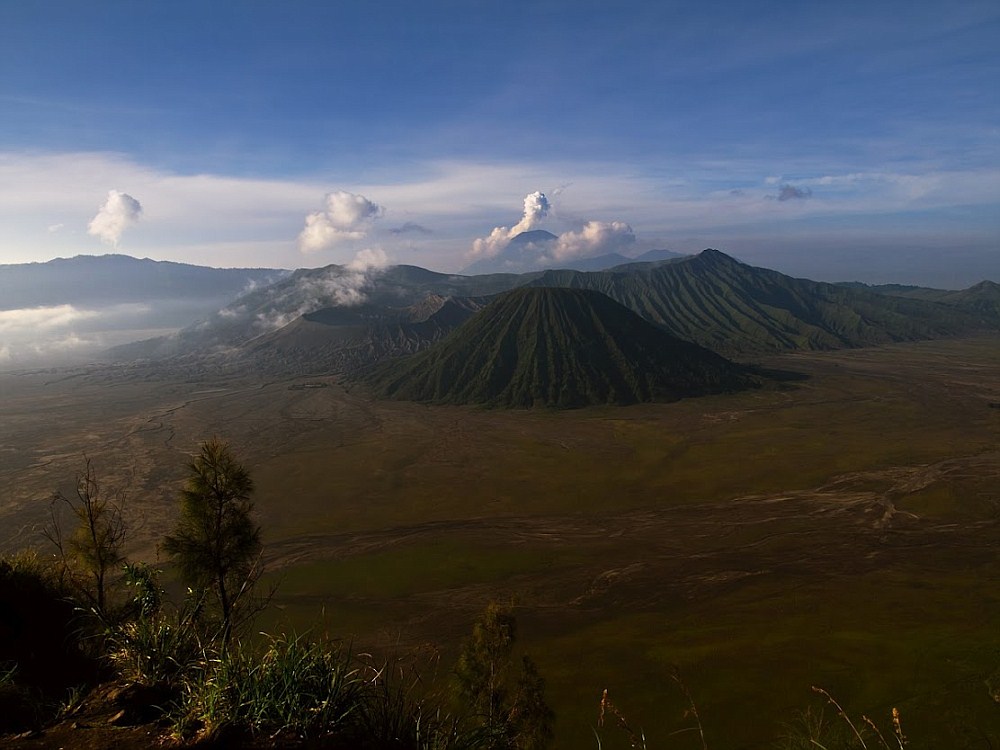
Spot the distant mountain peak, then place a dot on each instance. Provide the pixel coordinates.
(532, 237)
(716, 256)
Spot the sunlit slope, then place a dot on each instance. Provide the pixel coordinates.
(335, 319)
(737, 309)
(556, 347)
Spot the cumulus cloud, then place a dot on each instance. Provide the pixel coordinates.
(119, 211)
(345, 217)
(791, 193)
(536, 208)
(595, 238)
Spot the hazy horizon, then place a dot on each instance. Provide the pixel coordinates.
(846, 142)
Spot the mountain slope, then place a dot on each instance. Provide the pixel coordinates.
(983, 299)
(737, 309)
(556, 347)
(342, 339)
(109, 279)
(335, 319)
(368, 299)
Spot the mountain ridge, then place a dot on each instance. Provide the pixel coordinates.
(712, 299)
(559, 347)
(117, 278)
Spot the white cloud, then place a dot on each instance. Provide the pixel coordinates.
(595, 238)
(61, 333)
(25, 319)
(345, 217)
(536, 208)
(118, 212)
(220, 220)
(370, 259)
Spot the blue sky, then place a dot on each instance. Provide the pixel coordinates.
(841, 140)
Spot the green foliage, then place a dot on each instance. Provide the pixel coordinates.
(294, 686)
(510, 713)
(481, 671)
(216, 544)
(400, 712)
(557, 347)
(157, 645)
(736, 309)
(94, 547)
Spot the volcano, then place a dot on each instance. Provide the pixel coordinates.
(556, 347)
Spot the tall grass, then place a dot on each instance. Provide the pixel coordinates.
(293, 686)
(812, 729)
(154, 644)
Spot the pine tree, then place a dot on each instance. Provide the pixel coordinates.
(512, 716)
(216, 544)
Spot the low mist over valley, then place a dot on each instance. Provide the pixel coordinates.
(538, 375)
(70, 310)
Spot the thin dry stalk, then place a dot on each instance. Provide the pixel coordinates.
(636, 741)
(897, 729)
(692, 708)
(877, 731)
(842, 714)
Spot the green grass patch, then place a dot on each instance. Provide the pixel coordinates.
(415, 568)
(750, 658)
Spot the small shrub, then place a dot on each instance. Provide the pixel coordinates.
(154, 645)
(295, 687)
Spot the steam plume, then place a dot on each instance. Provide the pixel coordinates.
(337, 286)
(536, 208)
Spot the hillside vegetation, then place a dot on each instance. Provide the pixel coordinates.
(736, 309)
(557, 347)
(339, 320)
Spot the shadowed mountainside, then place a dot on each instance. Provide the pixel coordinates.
(322, 310)
(556, 347)
(336, 319)
(736, 309)
(981, 299)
